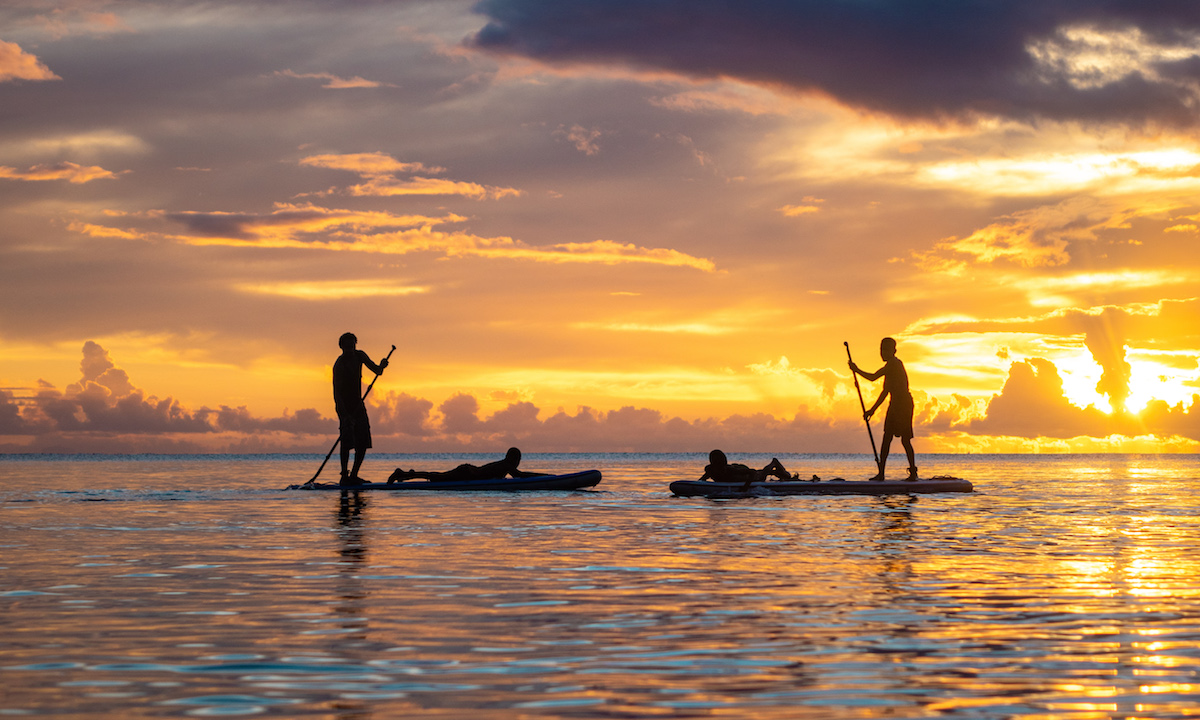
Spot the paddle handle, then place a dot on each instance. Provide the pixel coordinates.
(385, 359)
(863, 405)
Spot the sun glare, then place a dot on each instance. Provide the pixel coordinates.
(1080, 375)
(1153, 379)
(1150, 379)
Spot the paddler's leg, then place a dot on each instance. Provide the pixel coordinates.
(912, 459)
(344, 456)
(353, 478)
(777, 469)
(884, 446)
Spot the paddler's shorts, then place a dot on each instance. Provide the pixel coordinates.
(899, 419)
(355, 430)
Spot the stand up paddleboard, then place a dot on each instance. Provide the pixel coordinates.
(704, 488)
(571, 481)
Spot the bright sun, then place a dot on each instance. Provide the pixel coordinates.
(1150, 379)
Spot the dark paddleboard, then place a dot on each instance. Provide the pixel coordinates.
(698, 488)
(571, 481)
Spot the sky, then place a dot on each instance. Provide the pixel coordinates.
(599, 225)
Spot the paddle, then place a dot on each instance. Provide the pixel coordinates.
(863, 405)
(335, 442)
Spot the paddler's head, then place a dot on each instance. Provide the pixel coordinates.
(887, 348)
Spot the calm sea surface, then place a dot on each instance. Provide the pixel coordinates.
(145, 587)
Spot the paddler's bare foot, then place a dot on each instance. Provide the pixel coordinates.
(351, 481)
(878, 478)
(912, 474)
(399, 475)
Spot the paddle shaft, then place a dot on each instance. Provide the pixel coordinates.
(335, 442)
(863, 405)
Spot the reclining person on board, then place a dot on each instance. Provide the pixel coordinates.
(493, 470)
(720, 469)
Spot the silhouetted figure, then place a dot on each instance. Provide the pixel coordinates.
(899, 419)
(354, 426)
(493, 470)
(719, 469)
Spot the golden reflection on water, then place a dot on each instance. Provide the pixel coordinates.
(1037, 596)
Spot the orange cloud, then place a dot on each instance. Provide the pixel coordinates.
(333, 82)
(16, 64)
(388, 187)
(317, 228)
(380, 171)
(69, 171)
(1037, 237)
(333, 290)
(798, 210)
(367, 164)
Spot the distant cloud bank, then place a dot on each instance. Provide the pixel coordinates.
(104, 412)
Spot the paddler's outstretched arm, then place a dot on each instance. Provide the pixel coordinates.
(366, 360)
(870, 376)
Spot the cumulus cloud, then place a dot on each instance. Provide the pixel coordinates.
(104, 412)
(105, 404)
(16, 64)
(1032, 405)
(1109, 333)
(99, 371)
(461, 426)
(1062, 59)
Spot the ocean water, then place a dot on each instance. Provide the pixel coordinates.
(1066, 586)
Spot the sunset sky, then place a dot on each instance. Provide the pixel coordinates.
(599, 225)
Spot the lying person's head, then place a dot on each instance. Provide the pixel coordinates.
(513, 456)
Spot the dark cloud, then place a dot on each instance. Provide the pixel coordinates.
(304, 422)
(11, 422)
(928, 58)
(627, 429)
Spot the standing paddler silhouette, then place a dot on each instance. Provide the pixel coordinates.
(862, 404)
